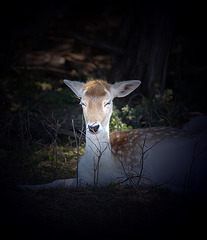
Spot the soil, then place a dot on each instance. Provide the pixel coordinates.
(102, 213)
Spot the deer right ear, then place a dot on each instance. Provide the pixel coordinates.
(75, 86)
(122, 89)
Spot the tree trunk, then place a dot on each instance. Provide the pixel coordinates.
(146, 34)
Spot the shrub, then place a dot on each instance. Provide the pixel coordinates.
(116, 123)
(158, 110)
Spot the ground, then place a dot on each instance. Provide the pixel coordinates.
(108, 212)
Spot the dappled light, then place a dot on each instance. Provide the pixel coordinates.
(63, 59)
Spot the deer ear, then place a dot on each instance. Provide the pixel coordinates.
(122, 89)
(75, 86)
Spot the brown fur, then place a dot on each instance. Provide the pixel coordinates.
(126, 145)
(96, 88)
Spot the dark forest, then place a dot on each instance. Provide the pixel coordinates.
(162, 43)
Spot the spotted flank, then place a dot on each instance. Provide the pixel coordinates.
(128, 146)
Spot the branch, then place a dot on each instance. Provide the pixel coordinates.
(65, 131)
(96, 43)
(77, 146)
(18, 69)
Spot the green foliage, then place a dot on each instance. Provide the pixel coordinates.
(59, 98)
(164, 109)
(44, 85)
(116, 123)
(52, 162)
(158, 110)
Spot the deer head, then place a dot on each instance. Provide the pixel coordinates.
(96, 98)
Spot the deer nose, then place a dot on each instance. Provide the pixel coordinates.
(93, 128)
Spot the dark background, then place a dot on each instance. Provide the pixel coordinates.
(137, 35)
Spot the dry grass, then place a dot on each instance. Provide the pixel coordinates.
(103, 212)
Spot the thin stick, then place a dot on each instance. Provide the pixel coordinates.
(77, 146)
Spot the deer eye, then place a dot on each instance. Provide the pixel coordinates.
(82, 104)
(108, 103)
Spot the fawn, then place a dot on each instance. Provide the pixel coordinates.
(162, 156)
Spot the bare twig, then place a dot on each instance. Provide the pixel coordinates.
(55, 126)
(77, 146)
(47, 68)
(96, 43)
(194, 157)
(96, 167)
(98, 152)
(66, 132)
(132, 175)
(78, 140)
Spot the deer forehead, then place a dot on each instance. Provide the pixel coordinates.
(97, 84)
(96, 90)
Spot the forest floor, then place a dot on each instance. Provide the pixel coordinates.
(103, 213)
(37, 145)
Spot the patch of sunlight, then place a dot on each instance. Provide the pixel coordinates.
(59, 89)
(44, 85)
(14, 106)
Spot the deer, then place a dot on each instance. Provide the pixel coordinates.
(155, 156)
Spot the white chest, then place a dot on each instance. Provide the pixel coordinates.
(97, 164)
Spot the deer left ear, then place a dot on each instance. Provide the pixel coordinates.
(122, 89)
(75, 86)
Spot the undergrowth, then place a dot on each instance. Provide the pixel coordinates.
(32, 140)
(158, 110)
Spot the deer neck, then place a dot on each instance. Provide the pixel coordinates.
(98, 145)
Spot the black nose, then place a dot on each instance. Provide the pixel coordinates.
(93, 128)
